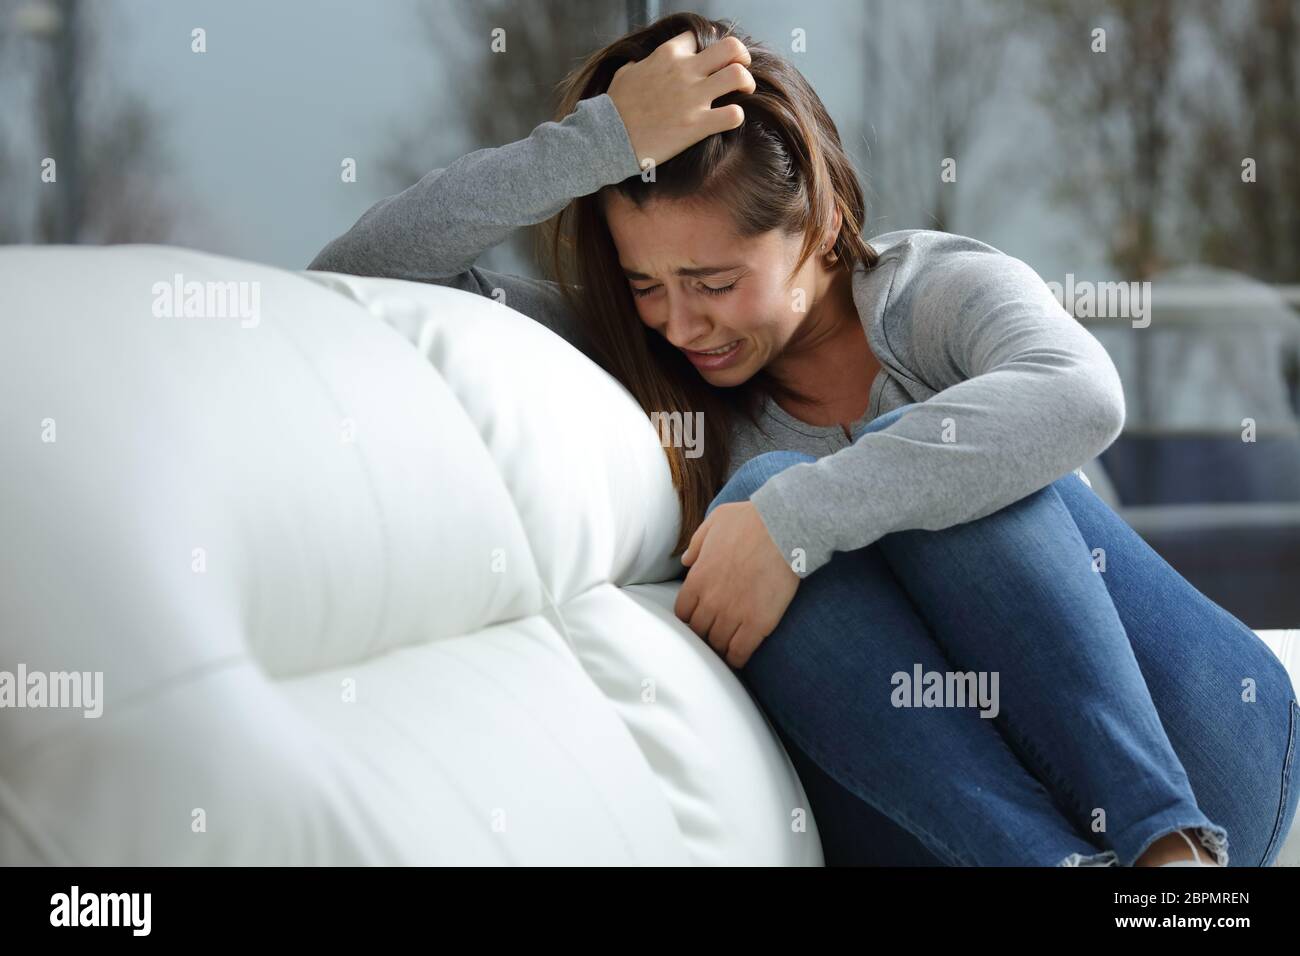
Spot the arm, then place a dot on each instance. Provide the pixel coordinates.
(435, 230)
(1025, 393)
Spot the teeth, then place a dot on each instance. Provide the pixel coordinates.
(725, 348)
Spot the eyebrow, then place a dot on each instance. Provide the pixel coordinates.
(684, 271)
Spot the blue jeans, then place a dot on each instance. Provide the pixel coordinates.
(1129, 705)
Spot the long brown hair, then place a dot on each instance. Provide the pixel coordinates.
(783, 168)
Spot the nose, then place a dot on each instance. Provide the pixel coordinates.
(685, 325)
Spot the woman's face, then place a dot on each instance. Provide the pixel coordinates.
(701, 287)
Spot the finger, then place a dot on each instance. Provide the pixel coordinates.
(702, 620)
(693, 546)
(717, 55)
(723, 634)
(722, 118)
(684, 43)
(741, 647)
(730, 79)
(687, 600)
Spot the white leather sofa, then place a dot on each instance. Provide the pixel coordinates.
(374, 572)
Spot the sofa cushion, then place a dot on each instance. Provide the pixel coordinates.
(355, 596)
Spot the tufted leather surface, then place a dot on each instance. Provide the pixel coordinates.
(423, 625)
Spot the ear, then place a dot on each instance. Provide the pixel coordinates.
(837, 220)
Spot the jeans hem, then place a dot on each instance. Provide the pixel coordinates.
(1213, 837)
(1105, 858)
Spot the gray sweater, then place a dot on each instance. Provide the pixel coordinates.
(1015, 393)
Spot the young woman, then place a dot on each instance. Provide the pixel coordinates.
(889, 486)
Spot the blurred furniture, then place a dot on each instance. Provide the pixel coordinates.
(1221, 355)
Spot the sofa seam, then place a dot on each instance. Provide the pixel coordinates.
(577, 658)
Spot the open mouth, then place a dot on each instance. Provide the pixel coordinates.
(722, 357)
(721, 350)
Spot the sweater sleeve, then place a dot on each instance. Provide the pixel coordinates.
(435, 230)
(1023, 396)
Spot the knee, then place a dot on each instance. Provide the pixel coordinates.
(1021, 538)
(750, 476)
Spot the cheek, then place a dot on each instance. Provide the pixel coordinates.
(765, 310)
(651, 315)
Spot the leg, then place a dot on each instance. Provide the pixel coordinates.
(891, 785)
(1076, 705)
(1225, 700)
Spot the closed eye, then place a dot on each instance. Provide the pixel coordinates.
(707, 290)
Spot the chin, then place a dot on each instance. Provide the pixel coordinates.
(728, 377)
